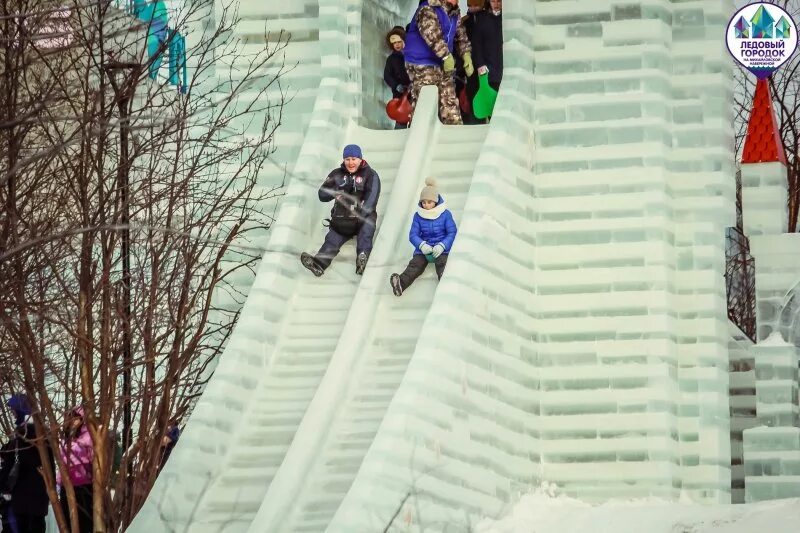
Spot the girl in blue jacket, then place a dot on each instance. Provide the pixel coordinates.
(432, 233)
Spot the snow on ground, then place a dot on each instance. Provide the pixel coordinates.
(542, 512)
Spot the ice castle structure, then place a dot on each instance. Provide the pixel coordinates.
(772, 447)
(580, 335)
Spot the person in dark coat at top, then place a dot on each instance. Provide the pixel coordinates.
(432, 233)
(22, 488)
(355, 189)
(487, 42)
(474, 10)
(394, 73)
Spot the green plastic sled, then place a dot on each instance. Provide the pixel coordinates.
(483, 103)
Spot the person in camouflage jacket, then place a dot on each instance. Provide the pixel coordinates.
(434, 35)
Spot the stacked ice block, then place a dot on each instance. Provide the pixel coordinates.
(298, 69)
(587, 344)
(742, 405)
(634, 187)
(772, 450)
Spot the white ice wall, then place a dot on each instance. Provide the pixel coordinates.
(742, 405)
(299, 70)
(764, 199)
(701, 183)
(634, 190)
(772, 450)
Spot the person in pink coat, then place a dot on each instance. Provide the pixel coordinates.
(77, 452)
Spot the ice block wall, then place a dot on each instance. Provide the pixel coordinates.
(742, 392)
(772, 450)
(634, 187)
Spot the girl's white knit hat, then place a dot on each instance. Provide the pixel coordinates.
(429, 192)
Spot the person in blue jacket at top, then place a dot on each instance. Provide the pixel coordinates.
(433, 36)
(432, 233)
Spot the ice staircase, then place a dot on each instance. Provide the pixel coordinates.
(383, 346)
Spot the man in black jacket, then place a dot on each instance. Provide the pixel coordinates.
(355, 189)
(22, 487)
(487, 43)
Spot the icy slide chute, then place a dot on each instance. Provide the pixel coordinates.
(371, 359)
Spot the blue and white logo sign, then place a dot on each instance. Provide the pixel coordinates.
(761, 37)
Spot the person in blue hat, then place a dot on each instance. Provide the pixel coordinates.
(355, 189)
(168, 442)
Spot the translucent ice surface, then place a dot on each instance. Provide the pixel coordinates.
(579, 334)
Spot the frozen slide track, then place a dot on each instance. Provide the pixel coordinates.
(311, 322)
(380, 337)
(460, 435)
(281, 349)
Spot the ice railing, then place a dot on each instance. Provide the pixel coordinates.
(456, 442)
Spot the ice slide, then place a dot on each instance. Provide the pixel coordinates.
(425, 412)
(294, 323)
(370, 361)
(220, 475)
